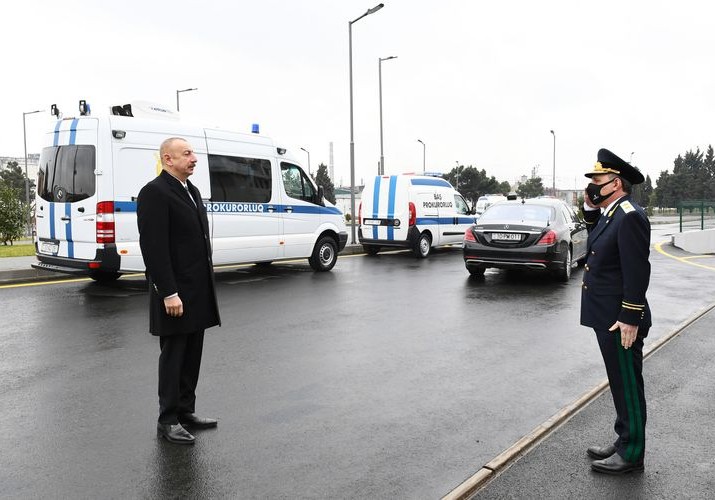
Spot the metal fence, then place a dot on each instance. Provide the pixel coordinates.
(696, 214)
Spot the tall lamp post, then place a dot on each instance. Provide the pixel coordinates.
(308, 159)
(553, 185)
(424, 153)
(457, 171)
(27, 180)
(352, 139)
(177, 96)
(379, 72)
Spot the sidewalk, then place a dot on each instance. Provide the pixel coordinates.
(679, 460)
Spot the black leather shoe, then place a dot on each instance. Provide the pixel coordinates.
(191, 420)
(616, 465)
(174, 433)
(601, 452)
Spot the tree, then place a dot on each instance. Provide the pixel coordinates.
(14, 177)
(13, 214)
(531, 188)
(322, 178)
(474, 183)
(642, 192)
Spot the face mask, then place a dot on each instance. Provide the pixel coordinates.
(594, 192)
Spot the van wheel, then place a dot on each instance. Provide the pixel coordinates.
(325, 254)
(371, 249)
(422, 246)
(104, 276)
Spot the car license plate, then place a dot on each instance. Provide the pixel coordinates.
(506, 236)
(371, 222)
(49, 248)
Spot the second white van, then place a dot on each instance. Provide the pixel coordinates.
(411, 211)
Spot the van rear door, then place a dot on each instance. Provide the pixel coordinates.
(67, 192)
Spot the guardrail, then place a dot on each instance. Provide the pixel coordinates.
(696, 214)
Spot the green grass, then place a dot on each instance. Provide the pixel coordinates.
(17, 250)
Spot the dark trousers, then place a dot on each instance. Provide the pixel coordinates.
(179, 365)
(625, 377)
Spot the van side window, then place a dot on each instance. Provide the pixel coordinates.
(67, 173)
(460, 205)
(297, 184)
(235, 178)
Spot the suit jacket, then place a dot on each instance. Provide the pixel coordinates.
(617, 269)
(176, 246)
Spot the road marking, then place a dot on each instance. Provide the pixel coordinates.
(685, 260)
(501, 462)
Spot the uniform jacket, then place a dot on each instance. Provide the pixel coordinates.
(176, 246)
(617, 270)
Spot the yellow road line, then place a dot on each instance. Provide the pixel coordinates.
(685, 260)
(39, 283)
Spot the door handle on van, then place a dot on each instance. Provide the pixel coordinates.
(288, 209)
(271, 208)
(66, 219)
(80, 209)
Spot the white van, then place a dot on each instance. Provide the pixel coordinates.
(260, 203)
(411, 211)
(484, 202)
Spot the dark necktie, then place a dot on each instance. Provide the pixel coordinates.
(189, 193)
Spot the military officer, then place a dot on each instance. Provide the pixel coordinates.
(613, 303)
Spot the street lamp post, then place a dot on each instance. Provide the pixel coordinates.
(457, 170)
(553, 184)
(424, 154)
(308, 159)
(352, 138)
(27, 180)
(177, 96)
(379, 72)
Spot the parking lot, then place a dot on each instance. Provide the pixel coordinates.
(388, 376)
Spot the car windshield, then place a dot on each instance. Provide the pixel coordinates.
(517, 212)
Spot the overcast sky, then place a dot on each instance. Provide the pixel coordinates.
(480, 82)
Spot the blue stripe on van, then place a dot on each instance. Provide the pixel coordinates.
(56, 139)
(125, 206)
(73, 131)
(68, 231)
(52, 221)
(229, 207)
(391, 206)
(375, 204)
(430, 182)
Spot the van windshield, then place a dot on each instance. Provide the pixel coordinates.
(66, 173)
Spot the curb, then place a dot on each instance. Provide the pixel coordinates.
(501, 462)
(31, 275)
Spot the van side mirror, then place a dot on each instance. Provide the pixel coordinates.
(321, 196)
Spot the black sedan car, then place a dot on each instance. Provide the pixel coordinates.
(539, 233)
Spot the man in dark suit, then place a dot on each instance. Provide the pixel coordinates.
(614, 304)
(176, 247)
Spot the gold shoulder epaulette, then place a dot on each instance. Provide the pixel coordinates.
(627, 207)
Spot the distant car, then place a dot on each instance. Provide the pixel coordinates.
(540, 234)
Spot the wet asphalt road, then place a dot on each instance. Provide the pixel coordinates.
(388, 377)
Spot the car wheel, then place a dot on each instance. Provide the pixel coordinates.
(325, 254)
(564, 274)
(476, 271)
(423, 245)
(104, 276)
(371, 249)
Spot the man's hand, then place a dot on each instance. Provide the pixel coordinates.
(174, 307)
(628, 333)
